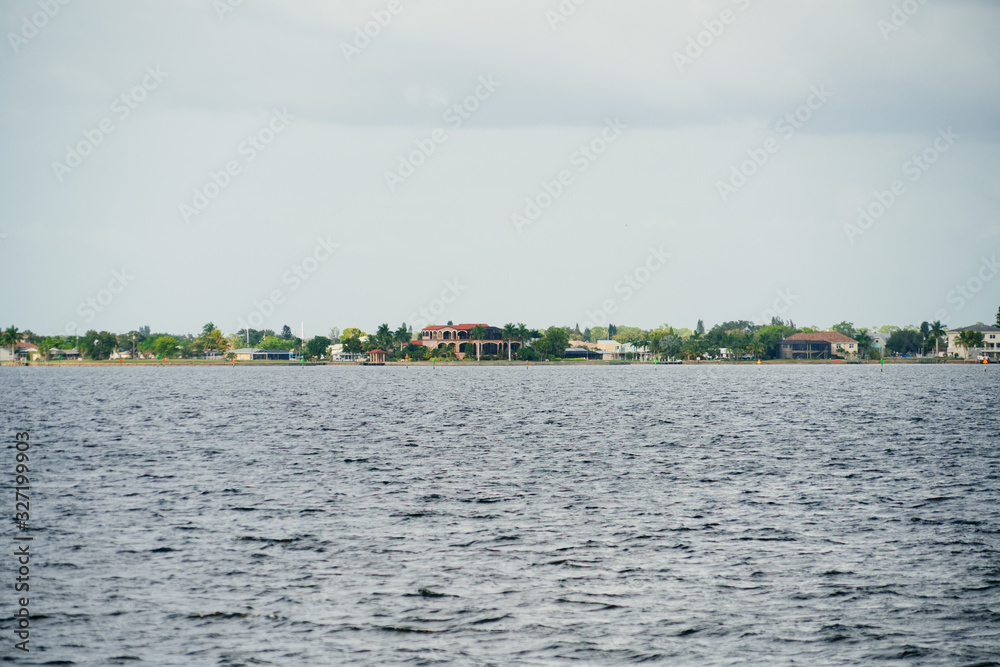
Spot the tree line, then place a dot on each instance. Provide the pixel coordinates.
(741, 338)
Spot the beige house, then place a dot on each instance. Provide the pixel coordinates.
(459, 338)
(819, 345)
(613, 350)
(991, 343)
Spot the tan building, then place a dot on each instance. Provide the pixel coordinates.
(991, 343)
(819, 345)
(459, 338)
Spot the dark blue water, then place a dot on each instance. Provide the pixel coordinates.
(543, 515)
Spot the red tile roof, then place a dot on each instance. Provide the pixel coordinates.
(460, 327)
(823, 337)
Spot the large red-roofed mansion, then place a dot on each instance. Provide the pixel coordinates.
(459, 338)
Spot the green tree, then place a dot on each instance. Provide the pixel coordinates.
(766, 339)
(692, 347)
(970, 340)
(998, 317)
(522, 333)
(700, 328)
(477, 334)
(556, 340)
(383, 338)
(937, 332)
(316, 347)
(864, 342)
(509, 335)
(98, 345)
(925, 332)
(286, 332)
(904, 341)
(352, 344)
(277, 343)
(402, 336)
(11, 336)
(48, 344)
(211, 340)
(164, 346)
(527, 354)
(253, 340)
(845, 328)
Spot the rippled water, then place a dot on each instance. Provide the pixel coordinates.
(543, 515)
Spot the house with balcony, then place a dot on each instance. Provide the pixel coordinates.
(459, 338)
(612, 350)
(991, 343)
(256, 354)
(818, 345)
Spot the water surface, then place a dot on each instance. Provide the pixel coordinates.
(543, 515)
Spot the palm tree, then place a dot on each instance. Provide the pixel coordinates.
(402, 336)
(925, 333)
(384, 337)
(509, 335)
(864, 341)
(937, 330)
(522, 333)
(642, 344)
(10, 337)
(970, 339)
(477, 334)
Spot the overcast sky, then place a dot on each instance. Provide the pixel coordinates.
(729, 145)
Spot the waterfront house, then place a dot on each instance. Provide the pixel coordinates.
(336, 353)
(991, 342)
(376, 357)
(612, 350)
(255, 354)
(459, 338)
(23, 351)
(818, 345)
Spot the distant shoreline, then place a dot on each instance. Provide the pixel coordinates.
(570, 363)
